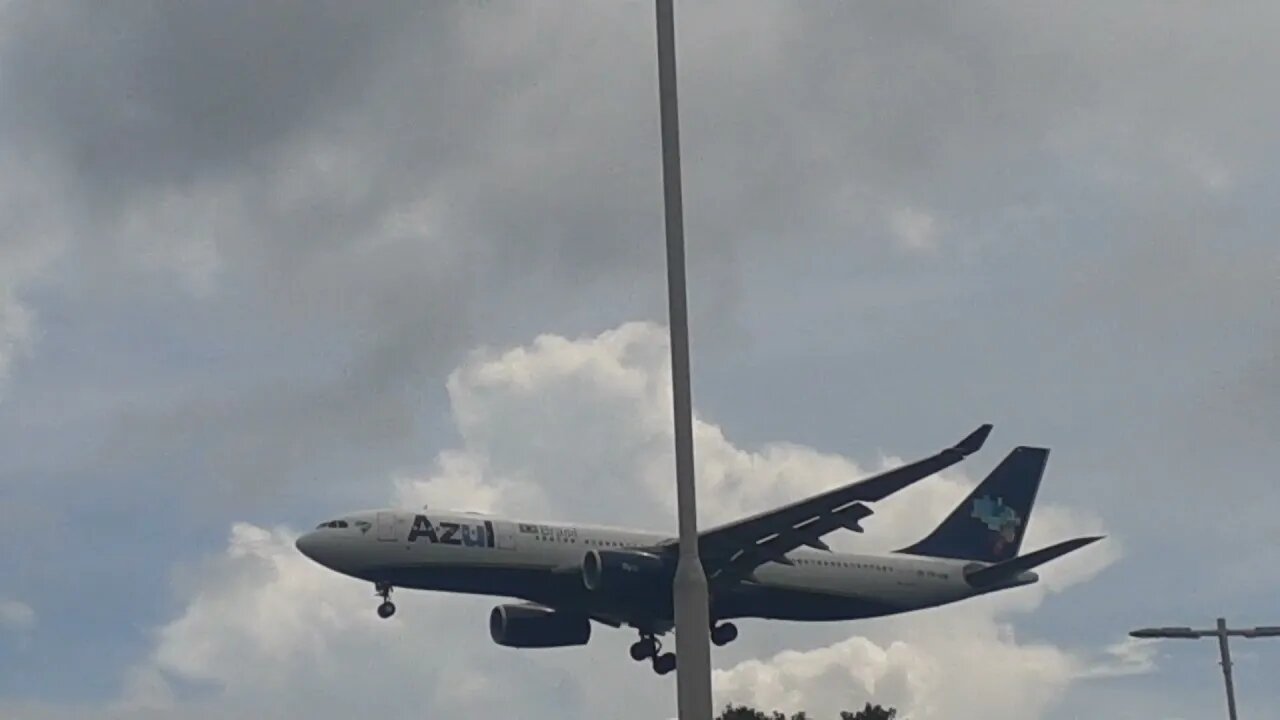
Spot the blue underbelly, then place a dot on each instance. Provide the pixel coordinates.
(789, 604)
(566, 591)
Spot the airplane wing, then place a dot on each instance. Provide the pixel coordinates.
(733, 550)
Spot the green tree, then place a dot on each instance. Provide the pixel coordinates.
(870, 712)
(743, 712)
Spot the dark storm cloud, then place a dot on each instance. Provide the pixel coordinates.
(394, 176)
(143, 99)
(138, 95)
(372, 172)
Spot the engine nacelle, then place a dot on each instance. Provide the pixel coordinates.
(525, 626)
(624, 571)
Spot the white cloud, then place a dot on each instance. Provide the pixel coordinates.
(931, 664)
(16, 615)
(256, 614)
(1130, 656)
(947, 669)
(461, 481)
(580, 428)
(914, 230)
(266, 627)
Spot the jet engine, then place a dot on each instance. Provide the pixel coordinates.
(625, 571)
(529, 626)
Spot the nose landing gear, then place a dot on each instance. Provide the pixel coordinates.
(387, 608)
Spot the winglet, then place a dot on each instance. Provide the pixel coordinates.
(973, 441)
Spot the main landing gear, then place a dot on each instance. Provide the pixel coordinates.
(387, 608)
(648, 647)
(723, 634)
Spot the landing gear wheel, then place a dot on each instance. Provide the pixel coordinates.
(387, 608)
(664, 663)
(724, 634)
(644, 648)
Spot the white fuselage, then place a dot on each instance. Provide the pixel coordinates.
(541, 562)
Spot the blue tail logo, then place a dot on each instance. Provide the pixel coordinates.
(988, 525)
(999, 518)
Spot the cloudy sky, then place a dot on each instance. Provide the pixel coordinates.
(261, 263)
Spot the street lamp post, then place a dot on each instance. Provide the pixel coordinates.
(693, 622)
(1221, 632)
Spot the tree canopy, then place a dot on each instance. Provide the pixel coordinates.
(870, 712)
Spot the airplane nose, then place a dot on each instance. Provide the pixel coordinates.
(307, 544)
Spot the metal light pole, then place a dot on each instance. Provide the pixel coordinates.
(1222, 633)
(693, 621)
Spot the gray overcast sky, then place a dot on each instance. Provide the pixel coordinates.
(261, 263)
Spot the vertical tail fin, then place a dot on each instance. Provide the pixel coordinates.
(988, 526)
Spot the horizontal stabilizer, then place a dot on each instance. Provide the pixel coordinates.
(1010, 569)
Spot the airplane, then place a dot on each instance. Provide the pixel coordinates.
(772, 565)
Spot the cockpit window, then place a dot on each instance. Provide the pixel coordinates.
(332, 524)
